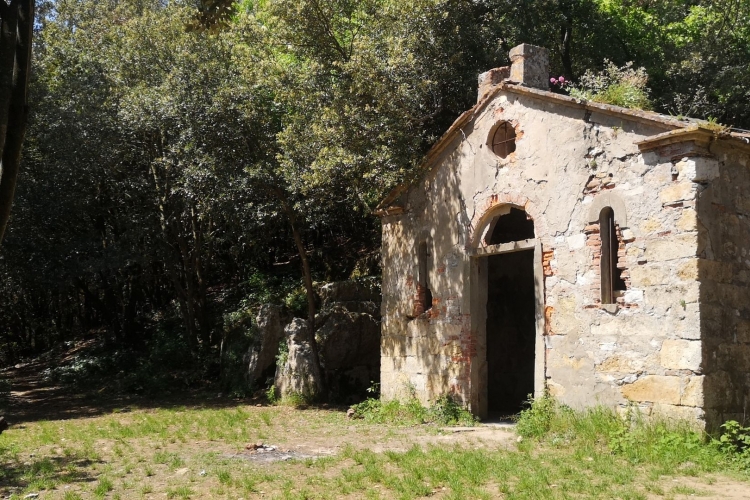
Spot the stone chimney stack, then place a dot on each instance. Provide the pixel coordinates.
(530, 66)
(489, 79)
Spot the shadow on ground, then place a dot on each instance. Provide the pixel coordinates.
(33, 398)
(17, 475)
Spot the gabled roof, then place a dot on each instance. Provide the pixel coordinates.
(676, 131)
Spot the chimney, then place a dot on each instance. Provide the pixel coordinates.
(489, 79)
(530, 66)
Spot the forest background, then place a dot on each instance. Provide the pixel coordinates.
(175, 177)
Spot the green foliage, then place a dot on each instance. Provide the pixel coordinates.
(165, 363)
(536, 419)
(666, 444)
(295, 399)
(713, 125)
(234, 352)
(444, 411)
(283, 354)
(164, 168)
(271, 395)
(296, 302)
(394, 411)
(620, 86)
(735, 442)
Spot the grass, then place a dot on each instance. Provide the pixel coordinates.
(444, 411)
(188, 453)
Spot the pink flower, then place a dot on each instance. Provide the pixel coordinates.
(553, 81)
(562, 80)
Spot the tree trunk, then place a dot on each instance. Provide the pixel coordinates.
(566, 35)
(8, 41)
(307, 275)
(18, 106)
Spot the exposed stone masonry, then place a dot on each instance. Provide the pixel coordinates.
(677, 341)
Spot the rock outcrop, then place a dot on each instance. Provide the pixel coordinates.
(261, 358)
(294, 374)
(349, 343)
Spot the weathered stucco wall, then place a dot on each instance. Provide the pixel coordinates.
(568, 164)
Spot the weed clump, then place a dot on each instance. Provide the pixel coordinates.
(443, 411)
(735, 442)
(668, 445)
(623, 86)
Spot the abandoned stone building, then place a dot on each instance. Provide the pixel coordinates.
(552, 244)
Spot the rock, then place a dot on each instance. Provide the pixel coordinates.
(261, 358)
(350, 337)
(295, 377)
(352, 295)
(350, 352)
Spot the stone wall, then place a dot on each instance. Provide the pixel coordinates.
(569, 162)
(723, 267)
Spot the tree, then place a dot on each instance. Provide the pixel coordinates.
(16, 28)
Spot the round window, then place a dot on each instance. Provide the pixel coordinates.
(504, 140)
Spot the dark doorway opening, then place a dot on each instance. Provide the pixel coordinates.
(511, 331)
(513, 226)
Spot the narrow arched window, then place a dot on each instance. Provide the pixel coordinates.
(610, 273)
(423, 283)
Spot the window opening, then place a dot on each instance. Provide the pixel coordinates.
(513, 226)
(504, 140)
(424, 292)
(611, 275)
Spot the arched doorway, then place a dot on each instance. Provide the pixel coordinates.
(507, 312)
(511, 322)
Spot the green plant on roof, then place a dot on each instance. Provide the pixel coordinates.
(713, 125)
(620, 86)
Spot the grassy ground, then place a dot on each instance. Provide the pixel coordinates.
(200, 453)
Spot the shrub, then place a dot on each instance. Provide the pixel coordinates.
(620, 86)
(444, 411)
(447, 411)
(735, 442)
(271, 395)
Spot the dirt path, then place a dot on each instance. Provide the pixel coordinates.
(33, 398)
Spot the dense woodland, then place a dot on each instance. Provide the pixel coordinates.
(180, 168)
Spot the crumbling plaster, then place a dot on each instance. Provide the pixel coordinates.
(648, 350)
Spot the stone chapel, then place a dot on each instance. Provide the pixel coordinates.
(599, 253)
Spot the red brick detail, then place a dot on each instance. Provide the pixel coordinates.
(547, 257)
(594, 243)
(596, 183)
(484, 214)
(418, 307)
